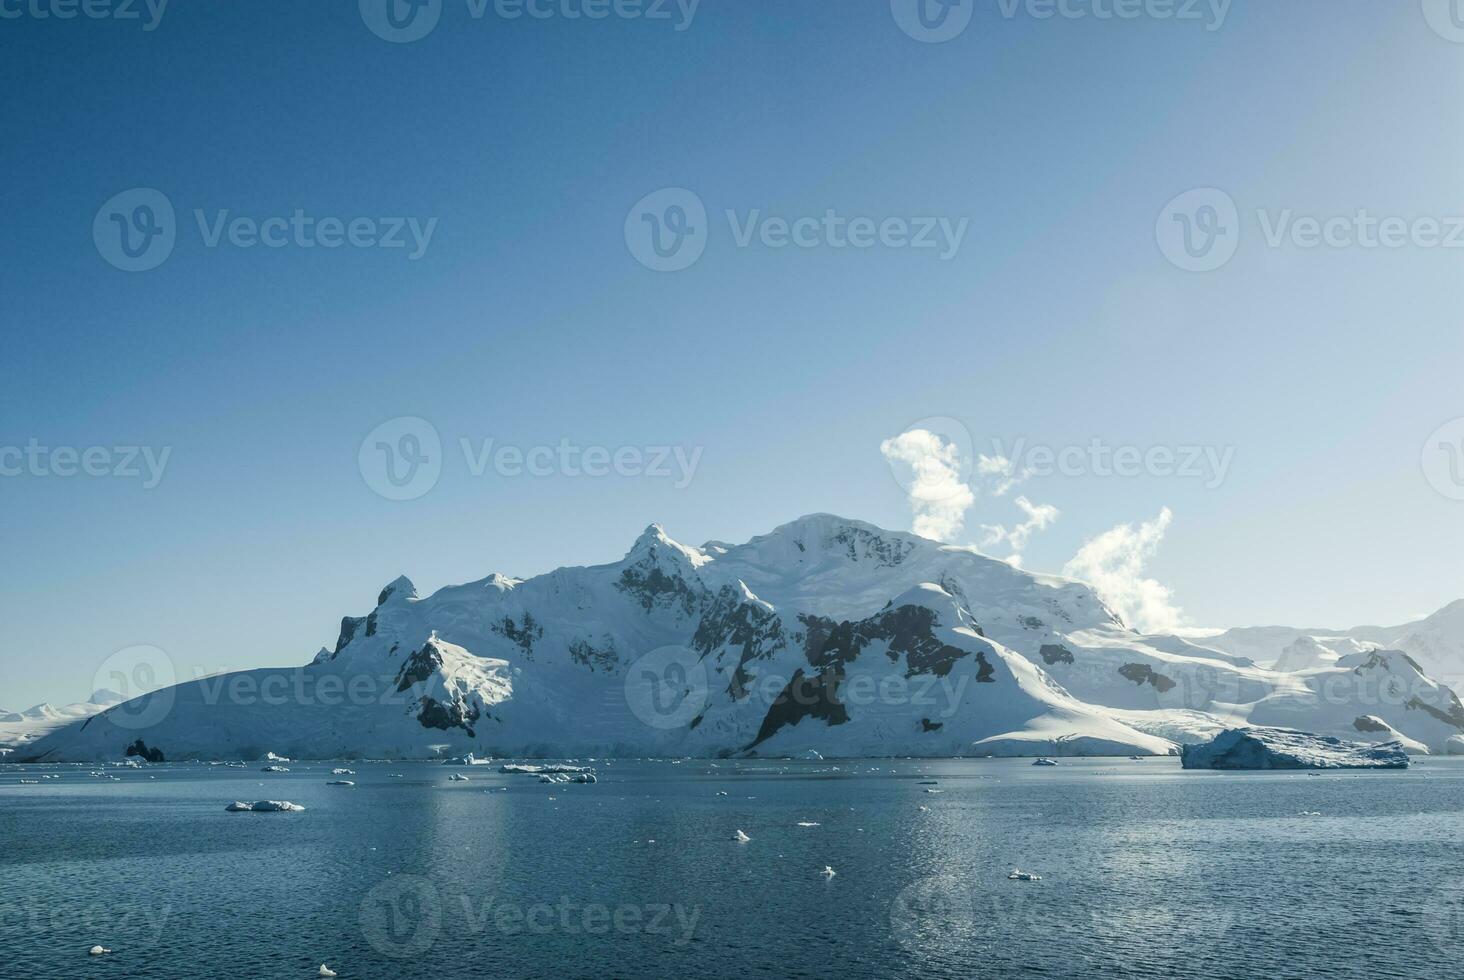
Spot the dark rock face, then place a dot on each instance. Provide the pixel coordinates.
(454, 714)
(1144, 674)
(349, 626)
(653, 588)
(587, 654)
(1367, 724)
(140, 750)
(418, 667)
(1055, 653)
(805, 696)
(732, 621)
(830, 646)
(926, 725)
(523, 633)
(1454, 716)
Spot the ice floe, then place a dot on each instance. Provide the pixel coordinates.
(264, 806)
(1285, 748)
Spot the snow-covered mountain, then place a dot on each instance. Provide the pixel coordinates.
(18, 728)
(1435, 642)
(826, 634)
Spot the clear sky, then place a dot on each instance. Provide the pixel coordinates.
(530, 317)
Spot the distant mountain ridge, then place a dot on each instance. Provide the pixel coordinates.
(825, 634)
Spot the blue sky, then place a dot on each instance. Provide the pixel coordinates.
(528, 320)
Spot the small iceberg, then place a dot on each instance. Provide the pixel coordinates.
(340, 782)
(1045, 762)
(1018, 875)
(1310, 813)
(274, 769)
(98, 951)
(807, 823)
(1285, 748)
(264, 806)
(343, 772)
(325, 971)
(457, 777)
(740, 837)
(271, 757)
(828, 872)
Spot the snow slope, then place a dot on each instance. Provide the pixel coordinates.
(825, 634)
(19, 728)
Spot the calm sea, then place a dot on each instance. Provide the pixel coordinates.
(1146, 871)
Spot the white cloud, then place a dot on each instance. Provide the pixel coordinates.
(1039, 518)
(1003, 471)
(938, 497)
(1113, 564)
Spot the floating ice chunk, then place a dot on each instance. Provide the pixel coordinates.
(271, 757)
(932, 791)
(807, 823)
(340, 782)
(98, 951)
(32, 782)
(457, 777)
(343, 772)
(740, 837)
(828, 872)
(264, 806)
(1285, 748)
(325, 971)
(812, 756)
(721, 792)
(274, 769)
(1310, 813)
(1018, 875)
(1045, 762)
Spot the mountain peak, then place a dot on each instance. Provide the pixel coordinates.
(399, 587)
(655, 542)
(104, 696)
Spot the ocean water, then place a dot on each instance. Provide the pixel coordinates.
(1146, 871)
